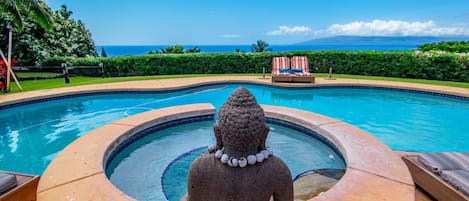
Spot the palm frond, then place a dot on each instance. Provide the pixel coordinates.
(35, 9)
(10, 8)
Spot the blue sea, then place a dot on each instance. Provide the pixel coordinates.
(141, 50)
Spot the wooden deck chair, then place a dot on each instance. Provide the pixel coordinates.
(18, 187)
(281, 69)
(300, 68)
(439, 174)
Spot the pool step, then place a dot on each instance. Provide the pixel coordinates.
(311, 183)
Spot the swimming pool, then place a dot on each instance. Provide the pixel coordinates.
(167, 154)
(31, 135)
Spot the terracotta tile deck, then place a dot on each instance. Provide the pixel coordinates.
(374, 172)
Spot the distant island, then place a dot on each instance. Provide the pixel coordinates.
(381, 40)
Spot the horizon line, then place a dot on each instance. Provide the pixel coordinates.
(295, 43)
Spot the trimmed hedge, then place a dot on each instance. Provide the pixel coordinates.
(404, 64)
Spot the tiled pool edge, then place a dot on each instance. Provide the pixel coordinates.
(373, 171)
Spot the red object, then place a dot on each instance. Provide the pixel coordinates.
(4, 65)
(3, 72)
(280, 63)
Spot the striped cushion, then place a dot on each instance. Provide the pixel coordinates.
(300, 62)
(458, 178)
(437, 162)
(280, 63)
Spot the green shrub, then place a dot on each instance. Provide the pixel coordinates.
(447, 46)
(404, 64)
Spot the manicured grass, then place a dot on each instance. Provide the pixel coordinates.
(31, 85)
(420, 81)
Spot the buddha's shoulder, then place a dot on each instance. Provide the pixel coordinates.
(203, 161)
(275, 161)
(276, 166)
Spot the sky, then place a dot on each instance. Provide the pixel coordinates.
(225, 22)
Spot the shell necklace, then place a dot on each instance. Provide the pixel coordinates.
(243, 161)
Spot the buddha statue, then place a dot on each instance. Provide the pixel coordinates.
(240, 167)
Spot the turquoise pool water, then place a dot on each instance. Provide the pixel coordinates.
(165, 157)
(32, 135)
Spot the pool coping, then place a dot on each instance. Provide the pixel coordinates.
(373, 171)
(175, 84)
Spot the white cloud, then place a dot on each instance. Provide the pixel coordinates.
(376, 28)
(231, 36)
(393, 28)
(286, 30)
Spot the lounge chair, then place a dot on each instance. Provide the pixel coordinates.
(445, 175)
(18, 187)
(298, 72)
(281, 69)
(300, 66)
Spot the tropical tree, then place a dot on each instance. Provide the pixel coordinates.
(238, 50)
(32, 46)
(193, 50)
(34, 9)
(103, 52)
(260, 46)
(69, 37)
(176, 49)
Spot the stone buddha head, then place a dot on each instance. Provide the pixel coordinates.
(241, 129)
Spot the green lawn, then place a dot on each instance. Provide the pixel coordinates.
(31, 85)
(420, 81)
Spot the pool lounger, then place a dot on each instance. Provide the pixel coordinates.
(16, 186)
(297, 72)
(443, 175)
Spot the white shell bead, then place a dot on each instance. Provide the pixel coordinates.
(224, 158)
(218, 154)
(243, 162)
(270, 150)
(234, 162)
(259, 157)
(211, 148)
(252, 159)
(265, 153)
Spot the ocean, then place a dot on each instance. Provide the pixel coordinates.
(141, 50)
